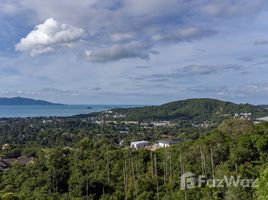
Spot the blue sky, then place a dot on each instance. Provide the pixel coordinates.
(134, 52)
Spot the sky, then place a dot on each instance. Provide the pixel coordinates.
(134, 51)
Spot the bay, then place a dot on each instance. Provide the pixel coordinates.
(53, 110)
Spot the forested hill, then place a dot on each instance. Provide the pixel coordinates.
(192, 109)
(23, 101)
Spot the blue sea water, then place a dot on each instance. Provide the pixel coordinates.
(54, 110)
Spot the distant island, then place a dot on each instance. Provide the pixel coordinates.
(24, 101)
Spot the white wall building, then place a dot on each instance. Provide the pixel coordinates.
(166, 143)
(139, 144)
(162, 123)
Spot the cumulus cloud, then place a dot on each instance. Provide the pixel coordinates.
(48, 37)
(116, 22)
(118, 52)
(260, 41)
(186, 34)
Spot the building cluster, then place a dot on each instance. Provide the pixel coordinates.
(146, 145)
(243, 115)
(145, 125)
(204, 124)
(112, 117)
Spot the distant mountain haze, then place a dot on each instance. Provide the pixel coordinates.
(23, 101)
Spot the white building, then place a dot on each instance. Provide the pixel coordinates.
(121, 143)
(263, 119)
(130, 122)
(160, 124)
(139, 144)
(243, 115)
(5, 146)
(166, 143)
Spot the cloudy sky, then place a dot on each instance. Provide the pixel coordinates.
(134, 51)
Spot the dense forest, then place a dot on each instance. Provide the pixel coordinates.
(98, 169)
(62, 132)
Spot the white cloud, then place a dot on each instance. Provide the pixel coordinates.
(8, 8)
(121, 36)
(118, 52)
(208, 69)
(112, 25)
(260, 41)
(186, 34)
(154, 8)
(48, 37)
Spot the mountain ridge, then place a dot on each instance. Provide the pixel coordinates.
(24, 101)
(192, 109)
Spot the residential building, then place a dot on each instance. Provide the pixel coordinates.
(139, 144)
(167, 143)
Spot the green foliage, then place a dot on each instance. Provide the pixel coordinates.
(235, 127)
(262, 185)
(58, 171)
(98, 169)
(9, 196)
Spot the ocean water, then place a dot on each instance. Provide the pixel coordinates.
(54, 110)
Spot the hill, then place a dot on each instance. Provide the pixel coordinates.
(264, 106)
(23, 101)
(192, 109)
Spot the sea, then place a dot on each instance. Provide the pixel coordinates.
(14, 111)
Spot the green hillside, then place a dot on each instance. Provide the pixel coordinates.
(192, 109)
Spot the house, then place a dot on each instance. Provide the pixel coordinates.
(3, 165)
(23, 160)
(265, 119)
(6, 163)
(130, 122)
(9, 161)
(243, 115)
(121, 143)
(111, 122)
(124, 132)
(108, 111)
(161, 124)
(167, 143)
(5, 146)
(139, 144)
(118, 116)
